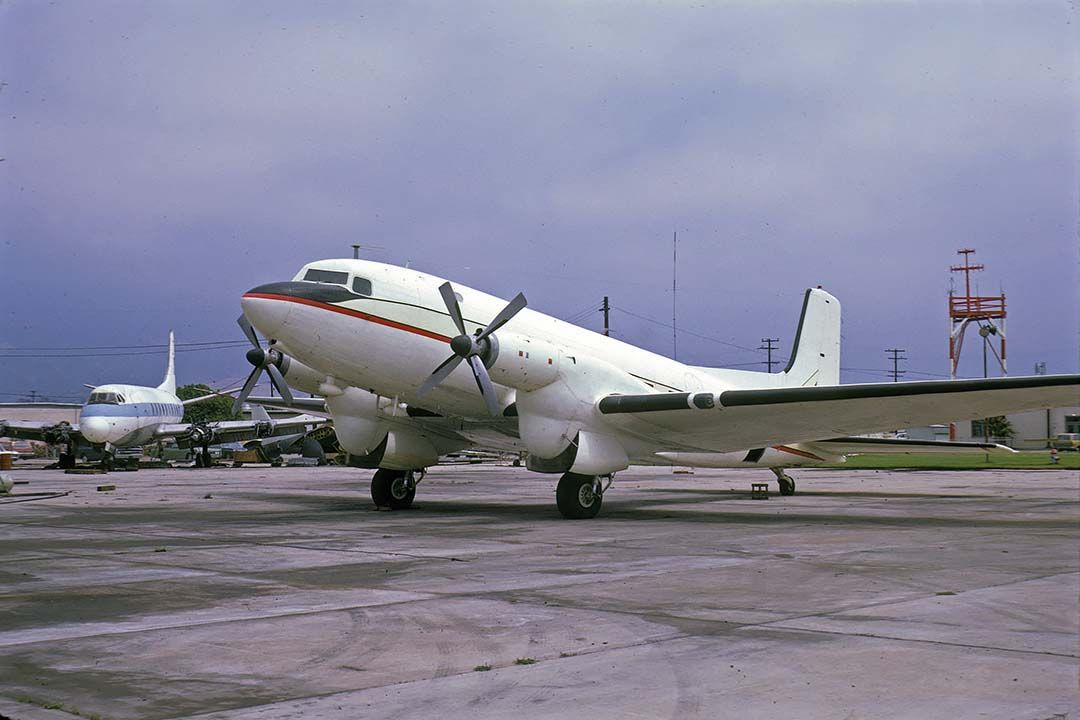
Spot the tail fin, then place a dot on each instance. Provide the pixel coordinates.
(815, 356)
(169, 383)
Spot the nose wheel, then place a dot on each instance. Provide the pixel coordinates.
(395, 489)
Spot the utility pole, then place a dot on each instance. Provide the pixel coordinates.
(606, 309)
(768, 347)
(896, 358)
(674, 286)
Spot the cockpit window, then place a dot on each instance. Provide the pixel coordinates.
(326, 276)
(361, 286)
(104, 398)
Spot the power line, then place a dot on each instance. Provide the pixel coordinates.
(131, 347)
(684, 331)
(78, 356)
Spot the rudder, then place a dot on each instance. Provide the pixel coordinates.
(815, 356)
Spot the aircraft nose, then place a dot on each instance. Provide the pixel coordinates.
(95, 429)
(266, 311)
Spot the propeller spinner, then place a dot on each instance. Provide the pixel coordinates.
(263, 359)
(473, 349)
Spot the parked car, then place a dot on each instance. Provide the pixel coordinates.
(1067, 441)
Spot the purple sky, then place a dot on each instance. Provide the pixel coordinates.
(162, 158)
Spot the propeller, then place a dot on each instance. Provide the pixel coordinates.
(473, 349)
(268, 360)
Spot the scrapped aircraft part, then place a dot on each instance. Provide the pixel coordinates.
(599, 454)
(359, 428)
(579, 497)
(394, 489)
(480, 350)
(786, 482)
(268, 359)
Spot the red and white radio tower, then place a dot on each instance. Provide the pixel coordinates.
(986, 311)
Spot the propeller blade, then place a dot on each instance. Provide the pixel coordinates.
(450, 299)
(440, 374)
(279, 382)
(483, 381)
(246, 390)
(249, 332)
(512, 308)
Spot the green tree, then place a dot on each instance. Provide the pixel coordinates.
(217, 408)
(1000, 427)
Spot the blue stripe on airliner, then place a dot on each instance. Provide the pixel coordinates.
(133, 410)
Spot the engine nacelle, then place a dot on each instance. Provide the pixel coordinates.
(300, 376)
(559, 423)
(522, 362)
(356, 420)
(400, 450)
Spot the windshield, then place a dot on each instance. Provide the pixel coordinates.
(104, 398)
(326, 276)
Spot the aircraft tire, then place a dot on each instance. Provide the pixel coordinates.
(577, 498)
(390, 489)
(787, 485)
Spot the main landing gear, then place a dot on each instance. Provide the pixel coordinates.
(395, 489)
(786, 482)
(579, 497)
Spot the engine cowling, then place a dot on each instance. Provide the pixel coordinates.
(400, 449)
(522, 362)
(356, 420)
(559, 423)
(300, 376)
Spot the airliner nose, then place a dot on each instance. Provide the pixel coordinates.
(267, 308)
(96, 429)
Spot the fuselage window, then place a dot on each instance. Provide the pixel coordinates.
(326, 276)
(361, 286)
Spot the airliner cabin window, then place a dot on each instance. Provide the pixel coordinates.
(361, 286)
(326, 276)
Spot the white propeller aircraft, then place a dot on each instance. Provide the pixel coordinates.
(121, 416)
(372, 339)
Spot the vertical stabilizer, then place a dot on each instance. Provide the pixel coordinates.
(815, 357)
(169, 383)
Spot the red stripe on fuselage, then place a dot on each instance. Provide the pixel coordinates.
(793, 451)
(351, 313)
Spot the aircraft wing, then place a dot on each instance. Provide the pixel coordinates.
(227, 431)
(312, 406)
(52, 433)
(897, 446)
(738, 419)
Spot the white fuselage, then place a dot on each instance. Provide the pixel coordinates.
(389, 341)
(127, 415)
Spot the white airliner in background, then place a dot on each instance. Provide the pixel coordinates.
(373, 340)
(122, 416)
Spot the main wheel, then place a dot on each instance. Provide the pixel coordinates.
(394, 489)
(579, 496)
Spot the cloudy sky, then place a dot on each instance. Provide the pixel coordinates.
(160, 158)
